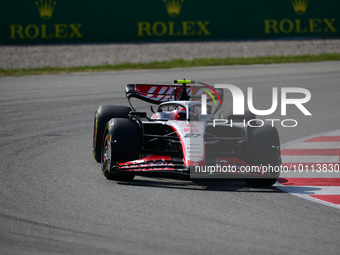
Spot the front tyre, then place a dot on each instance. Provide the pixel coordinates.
(264, 150)
(121, 142)
(103, 114)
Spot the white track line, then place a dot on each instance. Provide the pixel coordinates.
(315, 145)
(291, 191)
(306, 191)
(311, 159)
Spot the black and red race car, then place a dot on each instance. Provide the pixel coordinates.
(184, 137)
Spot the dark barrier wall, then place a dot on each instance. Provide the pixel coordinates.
(54, 21)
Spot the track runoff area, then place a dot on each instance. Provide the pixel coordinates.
(313, 168)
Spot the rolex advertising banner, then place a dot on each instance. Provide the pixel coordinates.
(60, 21)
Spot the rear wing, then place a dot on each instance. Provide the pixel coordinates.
(157, 94)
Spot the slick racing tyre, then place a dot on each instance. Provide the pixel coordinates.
(264, 150)
(121, 142)
(103, 114)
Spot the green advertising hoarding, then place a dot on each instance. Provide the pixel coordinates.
(60, 21)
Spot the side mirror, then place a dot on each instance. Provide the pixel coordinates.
(138, 114)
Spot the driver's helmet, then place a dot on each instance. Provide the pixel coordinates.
(181, 113)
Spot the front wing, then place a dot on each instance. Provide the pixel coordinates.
(156, 165)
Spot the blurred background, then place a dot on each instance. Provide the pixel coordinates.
(57, 33)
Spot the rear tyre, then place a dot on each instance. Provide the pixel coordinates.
(103, 114)
(121, 142)
(264, 149)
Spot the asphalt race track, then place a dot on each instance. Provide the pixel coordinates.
(55, 200)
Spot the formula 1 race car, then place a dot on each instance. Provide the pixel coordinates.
(184, 138)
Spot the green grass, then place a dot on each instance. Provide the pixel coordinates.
(173, 64)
